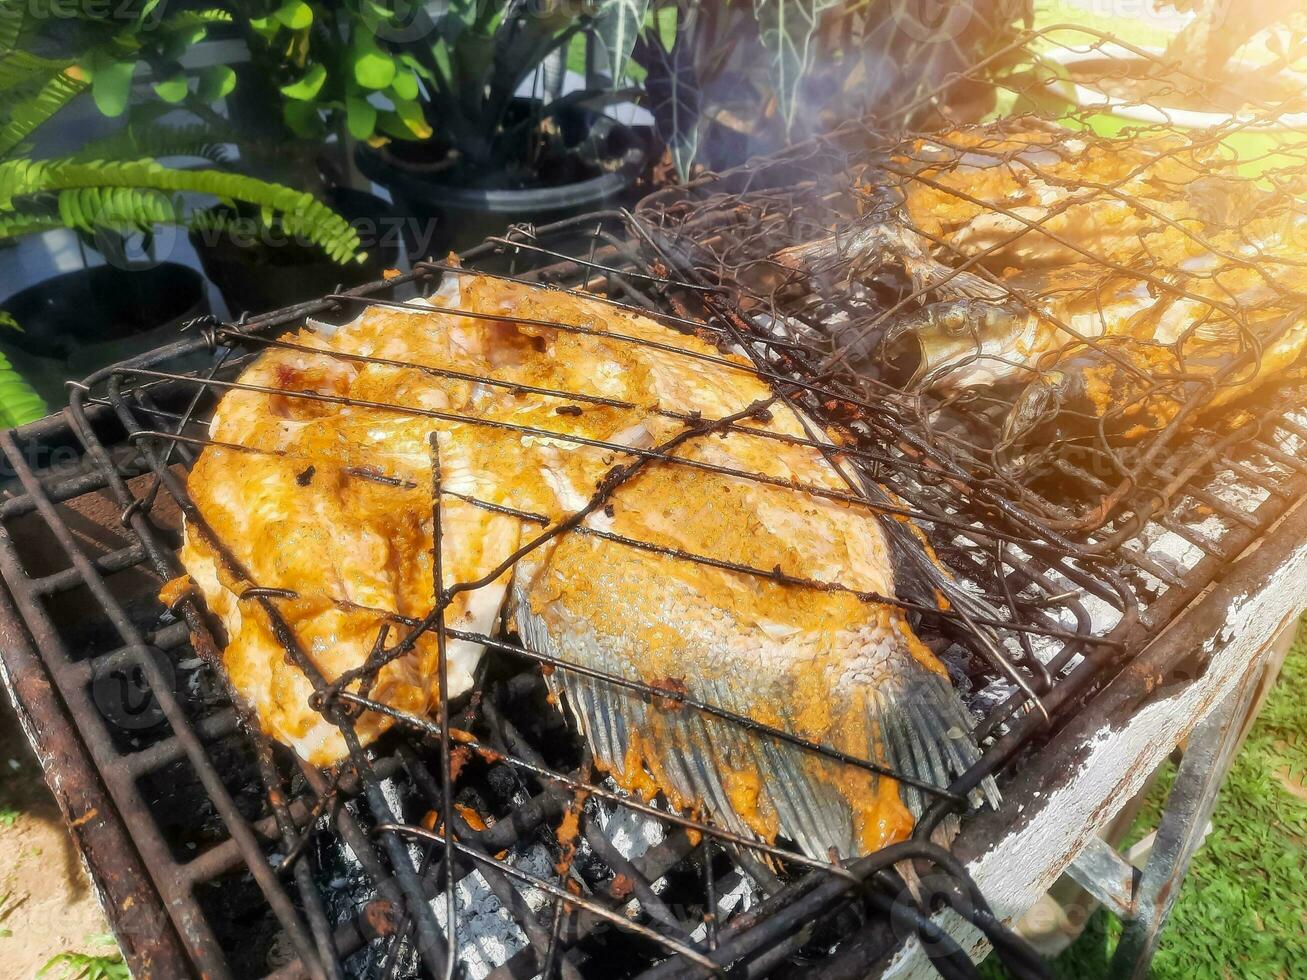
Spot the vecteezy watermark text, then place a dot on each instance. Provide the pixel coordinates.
(127, 11)
(384, 231)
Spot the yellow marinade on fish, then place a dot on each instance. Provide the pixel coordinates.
(1014, 196)
(332, 501)
(1219, 331)
(1025, 194)
(1200, 270)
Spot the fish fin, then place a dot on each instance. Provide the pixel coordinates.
(918, 574)
(925, 730)
(750, 783)
(947, 283)
(857, 251)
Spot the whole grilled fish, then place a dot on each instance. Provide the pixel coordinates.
(759, 596)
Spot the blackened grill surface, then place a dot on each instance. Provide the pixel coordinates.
(268, 867)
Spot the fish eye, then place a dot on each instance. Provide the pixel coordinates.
(956, 322)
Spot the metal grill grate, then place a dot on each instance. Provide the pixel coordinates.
(267, 866)
(138, 424)
(1135, 281)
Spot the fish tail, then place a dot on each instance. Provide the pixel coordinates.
(905, 717)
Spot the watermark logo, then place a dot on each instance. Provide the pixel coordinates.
(132, 249)
(401, 22)
(121, 688)
(145, 15)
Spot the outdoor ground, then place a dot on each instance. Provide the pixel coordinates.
(1242, 911)
(46, 905)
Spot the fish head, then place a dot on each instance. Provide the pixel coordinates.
(947, 335)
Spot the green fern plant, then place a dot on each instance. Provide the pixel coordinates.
(19, 404)
(116, 185)
(137, 195)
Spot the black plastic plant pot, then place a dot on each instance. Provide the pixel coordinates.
(257, 268)
(439, 213)
(78, 322)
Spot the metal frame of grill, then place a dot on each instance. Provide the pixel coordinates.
(133, 426)
(135, 480)
(313, 938)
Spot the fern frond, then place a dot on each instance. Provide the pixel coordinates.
(13, 17)
(299, 210)
(121, 209)
(23, 72)
(200, 140)
(17, 224)
(19, 403)
(195, 18)
(32, 112)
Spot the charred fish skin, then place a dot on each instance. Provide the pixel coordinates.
(1116, 392)
(877, 245)
(975, 343)
(1122, 388)
(964, 343)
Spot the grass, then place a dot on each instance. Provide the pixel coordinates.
(1137, 31)
(83, 966)
(1241, 911)
(1142, 30)
(87, 966)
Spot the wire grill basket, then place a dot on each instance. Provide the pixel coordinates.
(266, 865)
(1053, 299)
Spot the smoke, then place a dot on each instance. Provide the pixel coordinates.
(904, 64)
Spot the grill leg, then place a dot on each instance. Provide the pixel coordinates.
(1203, 768)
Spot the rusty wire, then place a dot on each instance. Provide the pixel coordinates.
(1195, 224)
(1035, 532)
(131, 387)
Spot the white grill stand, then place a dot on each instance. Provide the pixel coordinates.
(1057, 808)
(1143, 897)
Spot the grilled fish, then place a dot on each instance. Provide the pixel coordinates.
(876, 243)
(968, 343)
(1225, 330)
(331, 500)
(1025, 198)
(1125, 387)
(1019, 195)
